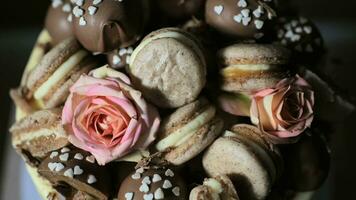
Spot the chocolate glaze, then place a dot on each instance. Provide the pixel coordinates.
(180, 9)
(109, 24)
(131, 185)
(302, 37)
(91, 178)
(241, 19)
(57, 21)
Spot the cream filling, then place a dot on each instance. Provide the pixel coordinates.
(43, 186)
(215, 187)
(187, 131)
(38, 52)
(59, 74)
(35, 134)
(169, 34)
(248, 67)
(135, 156)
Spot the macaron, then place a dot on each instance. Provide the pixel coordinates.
(219, 187)
(247, 158)
(307, 163)
(39, 133)
(188, 131)
(75, 172)
(48, 84)
(248, 68)
(153, 182)
(169, 68)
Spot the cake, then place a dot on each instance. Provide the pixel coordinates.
(175, 99)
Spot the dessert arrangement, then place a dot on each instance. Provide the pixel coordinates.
(176, 99)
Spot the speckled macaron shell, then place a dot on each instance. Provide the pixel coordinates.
(246, 160)
(50, 66)
(202, 137)
(169, 68)
(39, 133)
(76, 170)
(259, 66)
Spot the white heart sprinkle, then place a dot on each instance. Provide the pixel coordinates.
(136, 176)
(159, 194)
(289, 34)
(169, 173)
(91, 179)
(82, 21)
(80, 2)
(52, 166)
(64, 157)
(66, 8)
(156, 178)
(176, 191)
(148, 196)
(122, 51)
(78, 170)
(298, 30)
(59, 167)
(238, 18)
(78, 12)
(129, 195)
(140, 170)
(69, 173)
(78, 156)
(308, 29)
(53, 154)
(56, 3)
(295, 38)
(116, 59)
(129, 50)
(144, 188)
(245, 12)
(218, 9)
(259, 24)
(246, 21)
(294, 23)
(70, 18)
(92, 10)
(128, 59)
(65, 150)
(146, 180)
(242, 4)
(167, 184)
(90, 159)
(96, 2)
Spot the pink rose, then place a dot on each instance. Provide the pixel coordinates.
(107, 117)
(285, 111)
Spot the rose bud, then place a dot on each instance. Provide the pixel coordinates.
(107, 117)
(285, 111)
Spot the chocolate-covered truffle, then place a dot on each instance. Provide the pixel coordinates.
(243, 19)
(58, 20)
(153, 183)
(70, 170)
(180, 9)
(119, 58)
(301, 36)
(103, 26)
(307, 163)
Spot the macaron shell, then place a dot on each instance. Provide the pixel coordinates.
(253, 54)
(230, 192)
(196, 144)
(236, 159)
(200, 192)
(50, 62)
(169, 71)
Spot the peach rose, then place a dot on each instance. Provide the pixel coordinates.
(285, 111)
(107, 117)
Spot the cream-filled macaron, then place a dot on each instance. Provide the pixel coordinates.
(247, 158)
(251, 67)
(217, 188)
(169, 68)
(188, 131)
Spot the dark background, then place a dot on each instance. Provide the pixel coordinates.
(21, 21)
